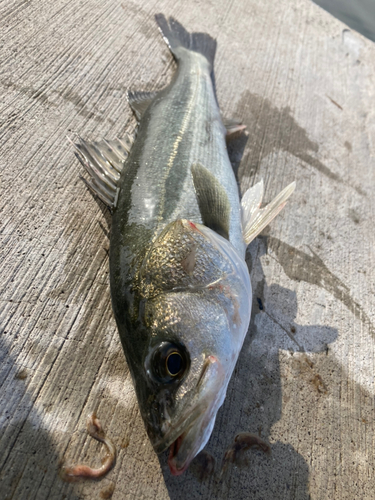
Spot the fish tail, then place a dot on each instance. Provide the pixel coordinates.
(176, 36)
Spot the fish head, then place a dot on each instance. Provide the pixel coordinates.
(196, 297)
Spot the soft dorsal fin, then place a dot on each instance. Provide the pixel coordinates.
(254, 218)
(140, 101)
(212, 200)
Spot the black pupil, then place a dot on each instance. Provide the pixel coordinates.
(174, 363)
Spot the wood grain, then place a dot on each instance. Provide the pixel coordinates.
(303, 83)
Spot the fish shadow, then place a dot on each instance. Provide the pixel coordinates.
(254, 402)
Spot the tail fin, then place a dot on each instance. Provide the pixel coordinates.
(175, 36)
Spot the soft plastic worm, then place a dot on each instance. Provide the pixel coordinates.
(94, 428)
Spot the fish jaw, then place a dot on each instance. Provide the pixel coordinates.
(212, 388)
(189, 444)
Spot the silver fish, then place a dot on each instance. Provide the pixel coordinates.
(180, 287)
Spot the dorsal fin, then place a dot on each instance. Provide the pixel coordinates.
(104, 161)
(212, 200)
(140, 101)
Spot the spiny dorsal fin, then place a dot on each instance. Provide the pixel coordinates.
(254, 218)
(140, 101)
(212, 200)
(104, 161)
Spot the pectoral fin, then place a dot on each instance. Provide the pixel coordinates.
(254, 218)
(212, 200)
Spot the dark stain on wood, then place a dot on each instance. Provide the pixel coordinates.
(311, 269)
(259, 115)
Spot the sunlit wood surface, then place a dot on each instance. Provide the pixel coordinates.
(304, 86)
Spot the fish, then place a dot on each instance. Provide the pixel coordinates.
(180, 287)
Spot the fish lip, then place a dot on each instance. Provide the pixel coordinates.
(194, 412)
(186, 424)
(201, 421)
(176, 444)
(202, 417)
(172, 453)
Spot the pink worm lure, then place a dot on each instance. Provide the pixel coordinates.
(94, 428)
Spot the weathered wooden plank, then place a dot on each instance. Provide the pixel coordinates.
(304, 85)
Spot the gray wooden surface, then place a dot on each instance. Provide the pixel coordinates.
(304, 86)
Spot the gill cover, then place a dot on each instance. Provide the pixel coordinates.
(192, 257)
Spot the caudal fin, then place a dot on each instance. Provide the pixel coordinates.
(176, 36)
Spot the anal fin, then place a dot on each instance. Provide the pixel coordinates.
(233, 127)
(212, 200)
(254, 218)
(104, 161)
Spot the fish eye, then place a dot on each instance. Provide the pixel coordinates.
(174, 363)
(168, 363)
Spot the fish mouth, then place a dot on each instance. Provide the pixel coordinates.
(195, 426)
(173, 453)
(175, 469)
(188, 445)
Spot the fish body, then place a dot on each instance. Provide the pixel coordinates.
(181, 127)
(180, 287)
